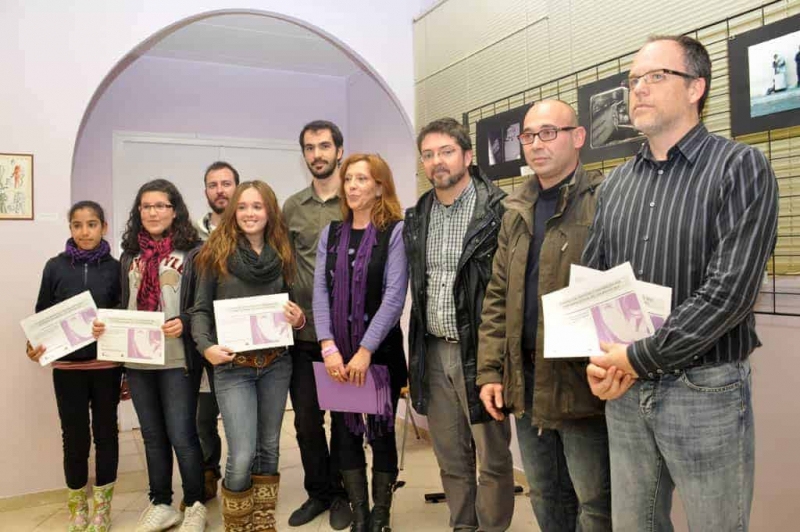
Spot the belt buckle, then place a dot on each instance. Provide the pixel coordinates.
(261, 360)
(450, 339)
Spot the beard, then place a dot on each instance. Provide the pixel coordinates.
(447, 181)
(213, 205)
(327, 170)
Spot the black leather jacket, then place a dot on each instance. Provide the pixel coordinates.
(474, 271)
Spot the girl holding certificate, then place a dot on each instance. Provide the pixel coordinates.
(82, 382)
(360, 285)
(248, 254)
(156, 265)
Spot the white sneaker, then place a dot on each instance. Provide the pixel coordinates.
(194, 520)
(158, 517)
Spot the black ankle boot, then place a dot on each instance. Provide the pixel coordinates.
(382, 489)
(355, 482)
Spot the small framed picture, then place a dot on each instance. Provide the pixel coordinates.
(16, 186)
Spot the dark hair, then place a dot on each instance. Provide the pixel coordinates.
(319, 125)
(92, 206)
(184, 234)
(446, 126)
(220, 165)
(696, 61)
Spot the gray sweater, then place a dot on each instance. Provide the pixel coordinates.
(211, 288)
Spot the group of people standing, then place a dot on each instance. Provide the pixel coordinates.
(691, 211)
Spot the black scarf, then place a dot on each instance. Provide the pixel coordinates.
(252, 268)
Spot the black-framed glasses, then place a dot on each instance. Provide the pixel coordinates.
(158, 207)
(546, 134)
(654, 76)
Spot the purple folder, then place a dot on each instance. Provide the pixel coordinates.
(345, 397)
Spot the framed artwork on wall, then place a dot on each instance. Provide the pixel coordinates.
(764, 71)
(603, 112)
(498, 149)
(16, 186)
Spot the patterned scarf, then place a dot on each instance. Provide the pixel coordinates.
(84, 256)
(349, 325)
(152, 253)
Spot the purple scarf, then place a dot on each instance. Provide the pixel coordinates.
(349, 325)
(84, 256)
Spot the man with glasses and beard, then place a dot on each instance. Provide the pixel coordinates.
(220, 183)
(307, 213)
(450, 238)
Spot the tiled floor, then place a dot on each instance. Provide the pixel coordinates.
(410, 511)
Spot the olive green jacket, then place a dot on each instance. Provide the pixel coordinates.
(561, 390)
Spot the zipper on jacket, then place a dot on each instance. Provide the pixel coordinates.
(85, 273)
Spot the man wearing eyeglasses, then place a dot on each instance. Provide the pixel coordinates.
(561, 428)
(450, 238)
(698, 213)
(220, 181)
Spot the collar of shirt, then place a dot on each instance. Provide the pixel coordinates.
(309, 193)
(462, 198)
(689, 146)
(554, 191)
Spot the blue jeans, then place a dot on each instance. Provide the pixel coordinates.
(166, 403)
(567, 470)
(693, 431)
(252, 402)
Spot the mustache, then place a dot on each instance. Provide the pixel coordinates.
(317, 161)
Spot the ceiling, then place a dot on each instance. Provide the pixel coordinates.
(255, 41)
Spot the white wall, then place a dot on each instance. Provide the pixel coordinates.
(158, 95)
(58, 54)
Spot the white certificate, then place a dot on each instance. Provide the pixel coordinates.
(248, 323)
(62, 328)
(657, 299)
(606, 307)
(131, 336)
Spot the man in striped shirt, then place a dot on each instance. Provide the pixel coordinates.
(698, 213)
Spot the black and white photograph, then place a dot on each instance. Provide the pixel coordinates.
(764, 72)
(497, 147)
(603, 111)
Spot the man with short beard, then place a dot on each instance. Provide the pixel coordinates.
(221, 180)
(450, 238)
(220, 183)
(307, 213)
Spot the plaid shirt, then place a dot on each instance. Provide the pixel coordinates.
(446, 231)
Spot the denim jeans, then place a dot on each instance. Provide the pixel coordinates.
(252, 402)
(694, 431)
(567, 470)
(166, 404)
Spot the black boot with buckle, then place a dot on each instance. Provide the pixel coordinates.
(355, 482)
(382, 489)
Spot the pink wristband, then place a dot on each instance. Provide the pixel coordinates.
(328, 351)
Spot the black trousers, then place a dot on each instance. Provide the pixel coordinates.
(207, 426)
(323, 480)
(77, 391)
(351, 446)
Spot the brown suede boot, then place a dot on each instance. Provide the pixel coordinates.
(210, 485)
(237, 510)
(265, 499)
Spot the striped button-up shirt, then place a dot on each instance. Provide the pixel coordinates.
(702, 222)
(447, 228)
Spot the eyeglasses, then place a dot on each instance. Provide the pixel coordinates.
(546, 134)
(160, 208)
(444, 153)
(654, 76)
